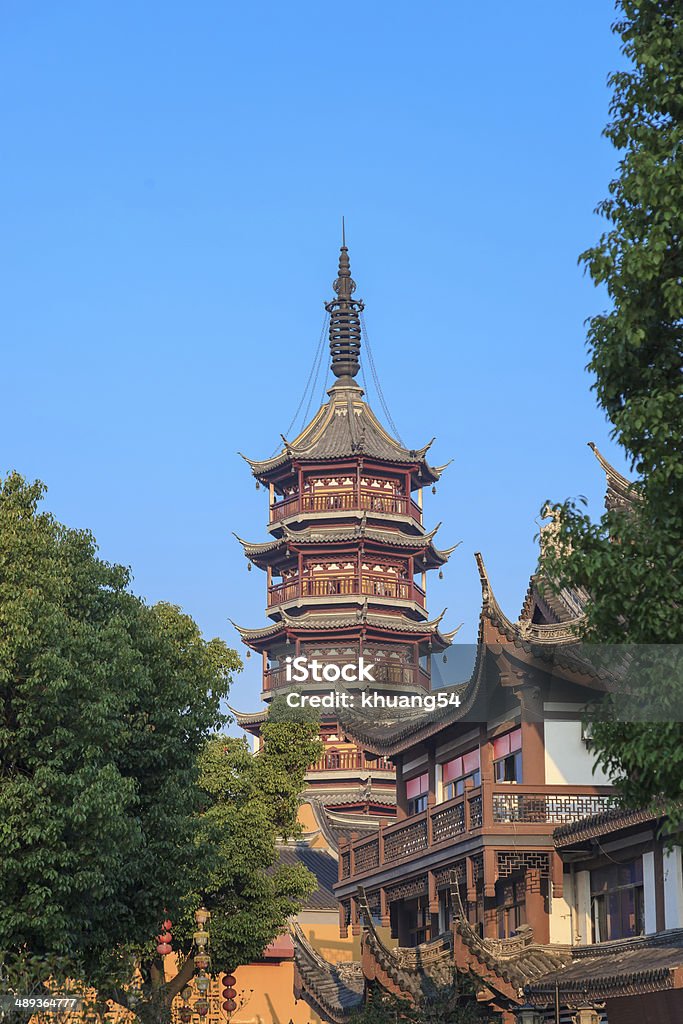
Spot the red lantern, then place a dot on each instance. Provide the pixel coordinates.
(167, 925)
(163, 949)
(185, 1014)
(202, 1007)
(229, 979)
(229, 1005)
(229, 993)
(164, 937)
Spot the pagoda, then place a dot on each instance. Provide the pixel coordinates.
(346, 565)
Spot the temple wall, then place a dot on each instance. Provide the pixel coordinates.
(561, 914)
(567, 760)
(582, 908)
(673, 888)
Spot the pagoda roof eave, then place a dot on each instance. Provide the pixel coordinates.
(345, 428)
(361, 619)
(256, 552)
(246, 719)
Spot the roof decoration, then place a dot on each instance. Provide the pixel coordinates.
(621, 492)
(333, 990)
(346, 427)
(345, 326)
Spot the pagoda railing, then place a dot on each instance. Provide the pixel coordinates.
(385, 675)
(339, 586)
(502, 810)
(350, 500)
(350, 760)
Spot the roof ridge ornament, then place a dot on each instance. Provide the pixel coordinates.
(345, 325)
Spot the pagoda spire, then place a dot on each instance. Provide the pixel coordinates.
(345, 325)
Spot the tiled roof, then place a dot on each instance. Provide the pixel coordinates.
(335, 990)
(346, 427)
(316, 535)
(596, 825)
(320, 864)
(397, 623)
(626, 967)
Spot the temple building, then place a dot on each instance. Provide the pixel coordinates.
(474, 841)
(346, 566)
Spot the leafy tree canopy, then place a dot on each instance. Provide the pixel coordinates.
(631, 563)
(104, 705)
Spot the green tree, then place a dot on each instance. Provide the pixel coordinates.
(631, 563)
(104, 705)
(119, 800)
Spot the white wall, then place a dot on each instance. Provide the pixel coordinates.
(649, 896)
(567, 759)
(582, 924)
(673, 888)
(561, 915)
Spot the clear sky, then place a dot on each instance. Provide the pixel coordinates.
(172, 179)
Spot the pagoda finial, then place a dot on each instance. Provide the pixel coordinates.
(345, 326)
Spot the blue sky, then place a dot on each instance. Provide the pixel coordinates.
(172, 179)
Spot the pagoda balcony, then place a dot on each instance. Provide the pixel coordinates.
(350, 500)
(351, 761)
(341, 586)
(385, 675)
(508, 811)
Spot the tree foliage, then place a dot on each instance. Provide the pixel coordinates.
(105, 703)
(119, 801)
(631, 563)
(252, 804)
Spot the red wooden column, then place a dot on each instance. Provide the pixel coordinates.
(401, 798)
(536, 914)
(533, 735)
(486, 767)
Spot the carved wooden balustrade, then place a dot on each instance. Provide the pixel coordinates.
(274, 678)
(346, 501)
(503, 810)
(349, 760)
(339, 586)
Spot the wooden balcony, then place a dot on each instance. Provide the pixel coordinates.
(349, 500)
(385, 675)
(503, 810)
(340, 586)
(350, 761)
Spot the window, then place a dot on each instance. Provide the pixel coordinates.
(507, 757)
(416, 793)
(511, 900)
(455, 773)
(617, 901)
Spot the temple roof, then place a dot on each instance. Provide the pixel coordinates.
(396, 623)
(389, 731)
(621, 492)
(650, 963)
(320, 864)
(595, 825)
(346, 427)
(336, 825)
(258, 552)
(505, 965)
(335, 990)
